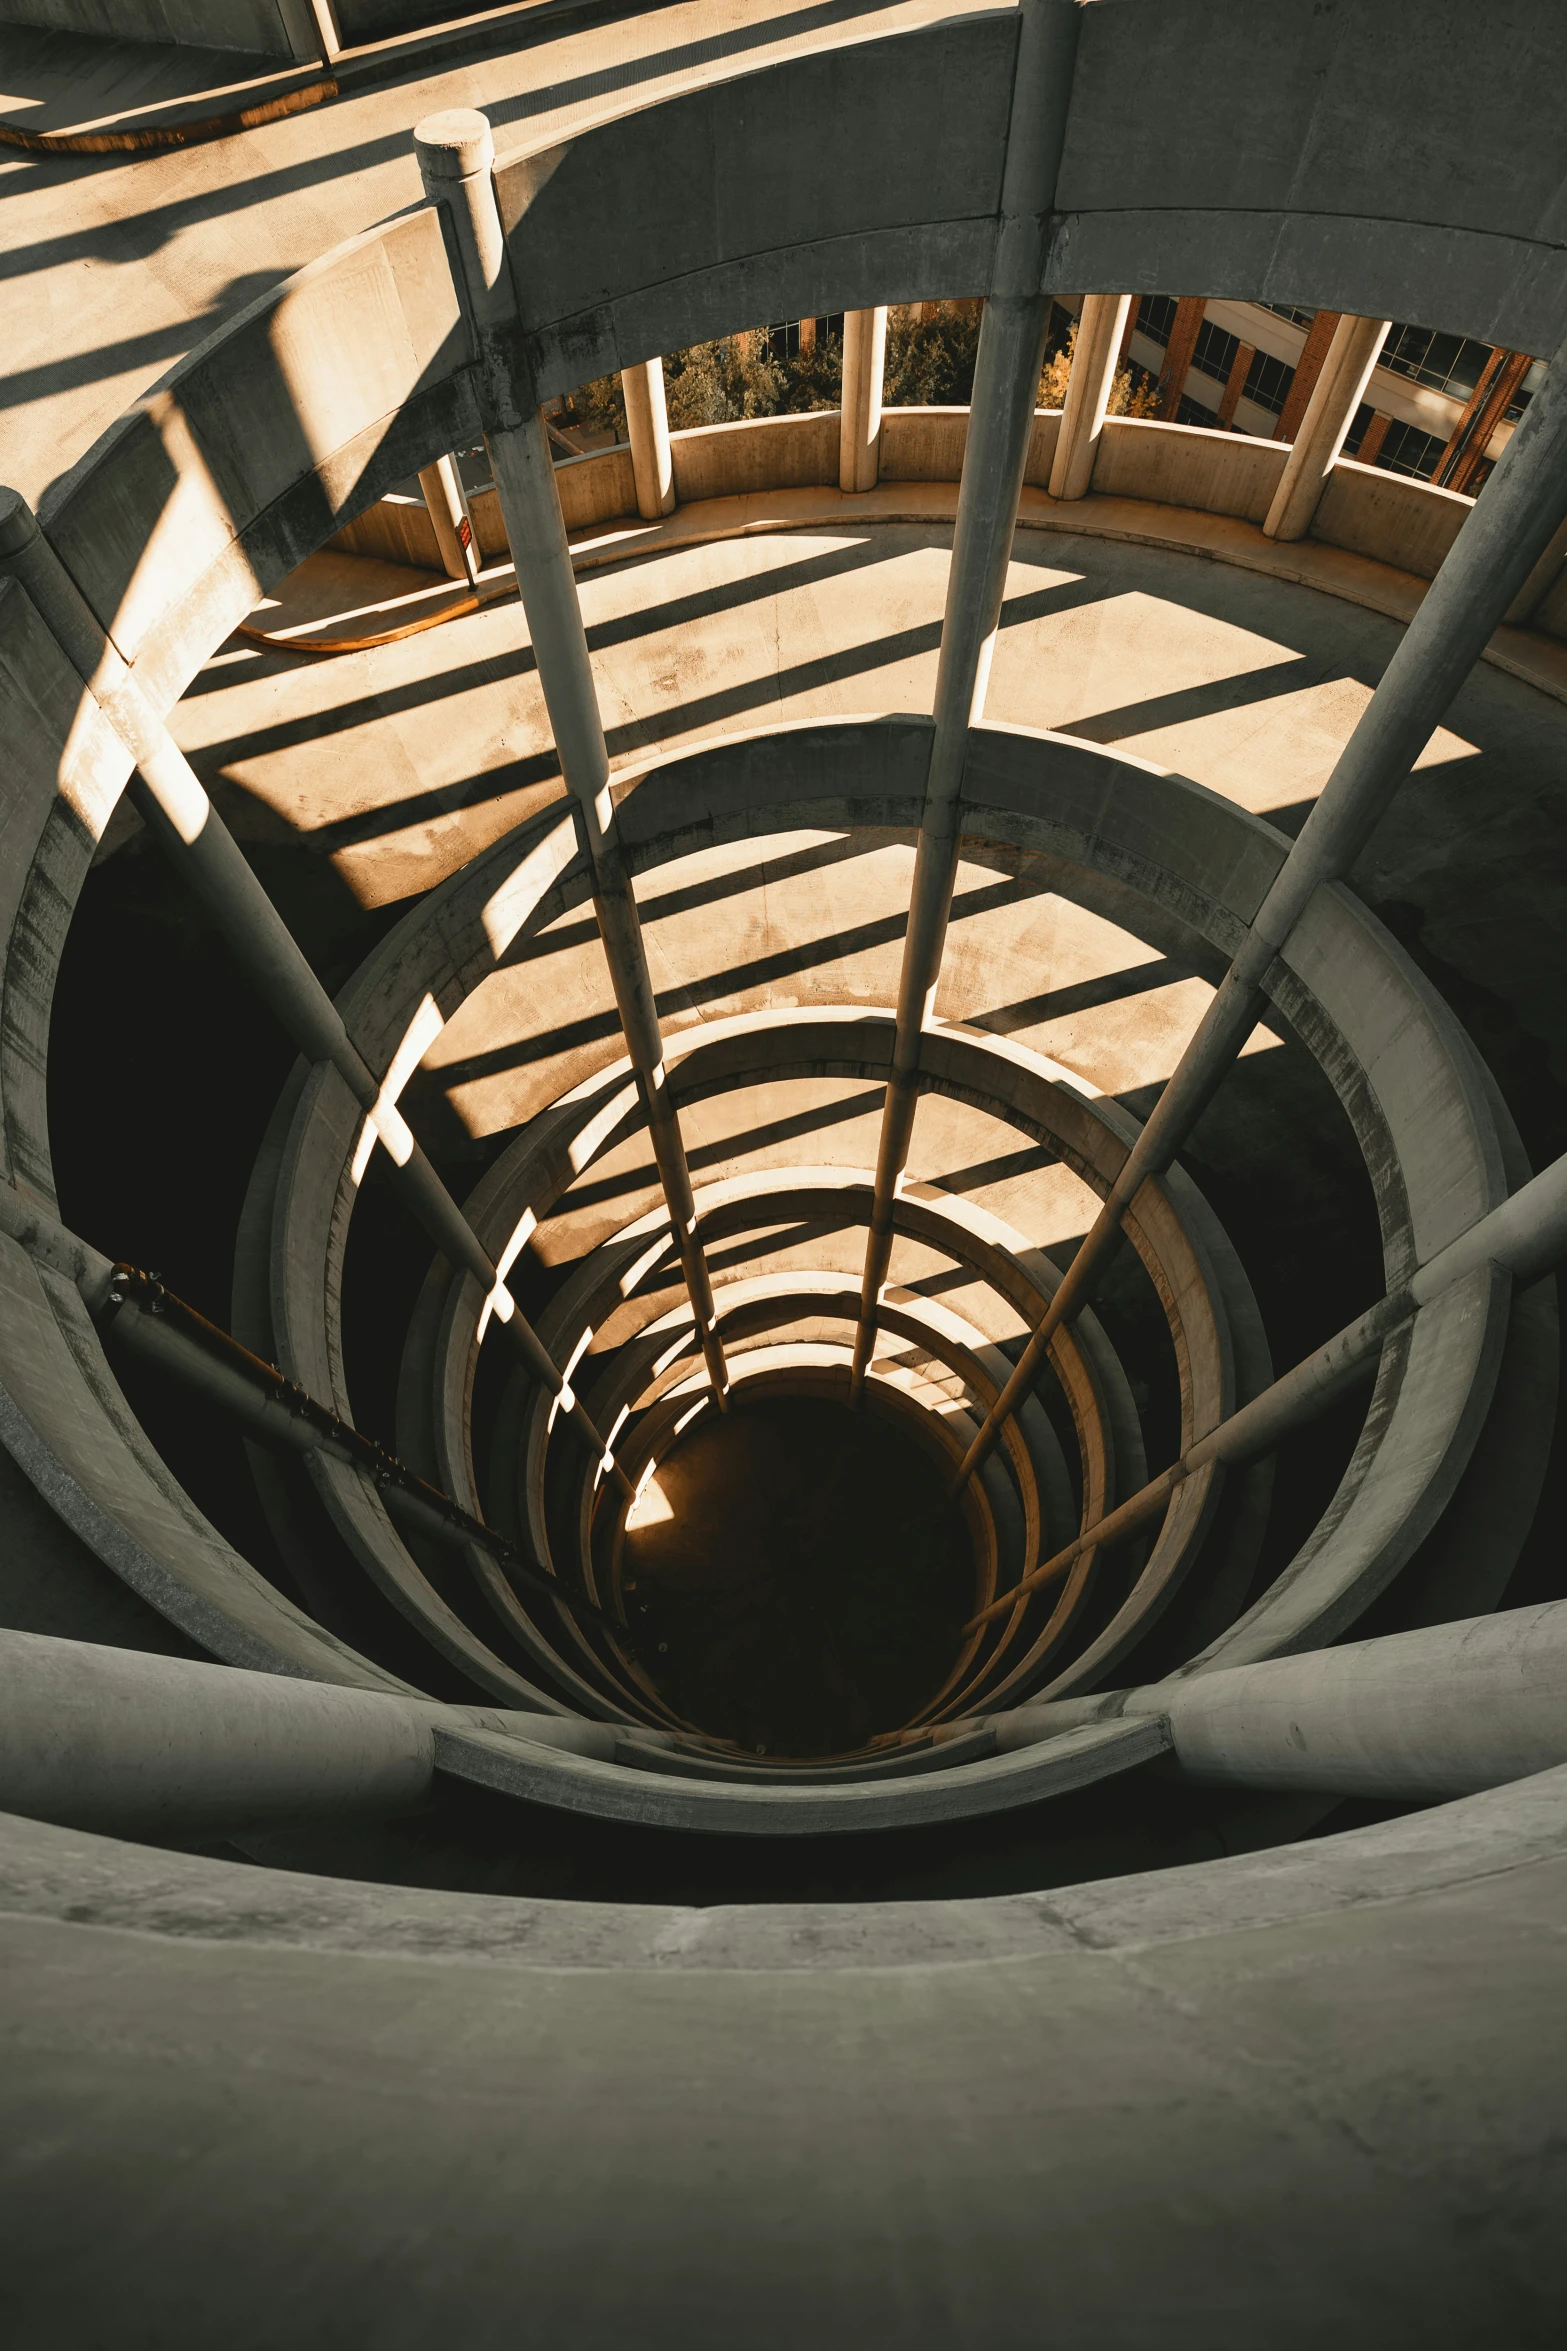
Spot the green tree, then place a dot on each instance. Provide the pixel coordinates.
(1132, 393)
(930, 356)
(930, 364)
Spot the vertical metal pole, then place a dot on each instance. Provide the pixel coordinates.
(456, 153)
(1001, 421)
(1504, 538)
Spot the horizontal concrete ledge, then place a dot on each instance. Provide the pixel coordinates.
(129, 1742)
(999, 1783)
(48, 1872)
(1536, 659)
(294, 614)
(1446, 1711)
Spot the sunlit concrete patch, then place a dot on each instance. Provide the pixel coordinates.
(400, 761)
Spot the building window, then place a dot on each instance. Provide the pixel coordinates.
(1156, 316)
(1192, 412)
(1358, 430)
(1216, 351)
(1446, 363)
(1268, 382)
(1408, 450)
(783, 334)
(1297, 318)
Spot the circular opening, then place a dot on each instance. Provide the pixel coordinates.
(797, 1577)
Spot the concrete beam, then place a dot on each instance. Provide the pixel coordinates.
(1101, 330)
(1335, 397)
(1445, 1711)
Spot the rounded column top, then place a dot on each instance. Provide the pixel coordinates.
(18, 524)
(455, 144)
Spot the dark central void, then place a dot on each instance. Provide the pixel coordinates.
(809, 1582)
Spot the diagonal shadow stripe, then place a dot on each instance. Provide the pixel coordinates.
(788, 962)
(678, 719)
(1112, 987)
(666, 903)
(1187, 703)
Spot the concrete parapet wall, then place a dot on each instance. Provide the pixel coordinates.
(1389, 517)
(1188, 465)
(591, 489)
(396, 529)
(759, 453)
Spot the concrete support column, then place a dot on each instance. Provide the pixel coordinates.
(1101, 330)
(172, 799)
(440, 486)
(1001, 422)
(1338, 392)
(1540, 582)
(647, 421)
(864, 363)
(1441, 1712)
(1494, 555)
(455, 153)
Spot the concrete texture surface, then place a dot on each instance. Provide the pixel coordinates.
(1308, 2095)
(1274, 2096)
(119, 267)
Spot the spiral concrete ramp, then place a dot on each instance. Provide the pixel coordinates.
(779, 1357)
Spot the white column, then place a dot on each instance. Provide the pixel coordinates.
(440, 486)
(1095, 354)
(1001, 424)
(647, 421)
(864, 360)
(1336, 395)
